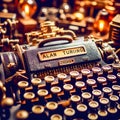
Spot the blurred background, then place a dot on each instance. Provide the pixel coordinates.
(84, 17)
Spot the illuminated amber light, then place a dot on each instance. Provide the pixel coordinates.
(27, 8)
(79, 16)
(101, 25)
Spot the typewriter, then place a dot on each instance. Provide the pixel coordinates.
(59, 77)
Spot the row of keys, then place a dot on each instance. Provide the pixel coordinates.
(105, 108)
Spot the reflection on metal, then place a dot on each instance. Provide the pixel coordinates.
(48, 30)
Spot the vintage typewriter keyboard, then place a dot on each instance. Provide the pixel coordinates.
(88, 94)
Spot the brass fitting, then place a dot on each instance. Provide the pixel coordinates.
(49, 30)
(2, 91)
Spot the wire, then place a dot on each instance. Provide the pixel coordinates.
(117, 51)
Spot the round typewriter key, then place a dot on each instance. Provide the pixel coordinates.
(41, 94)
(36, 81)
(101, 81)
(67, 88)
(102, 114)
(22, 85)
(116, 67)
(93, 105)
(116, 89)
(86, 97)
(56, 117)
(113, 101)
(74, 75)
(69, 113)
(82, 111)
(103, 103)
(52, 107)
(29, 95)
(37, 109)
(93, 108)
(106, 69)
(80, 86)
(96, 94)
(112, 113)
(85, 71)
(92, 116)
(90, 84)
(61, 77)
(38, 112)
(112, 79)
(55, 90)
(75, 99)
(107, 91)
(96, 69)
(114, 98)
(81, 107)
(49, 80)
(22, 115)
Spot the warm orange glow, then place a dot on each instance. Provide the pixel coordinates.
(101, 25)
(27, 9)
(79, 16)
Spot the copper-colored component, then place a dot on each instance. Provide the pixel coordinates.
(22, 115)
(64, 103)
(10, 65)
(2, 91)
(17, 74)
